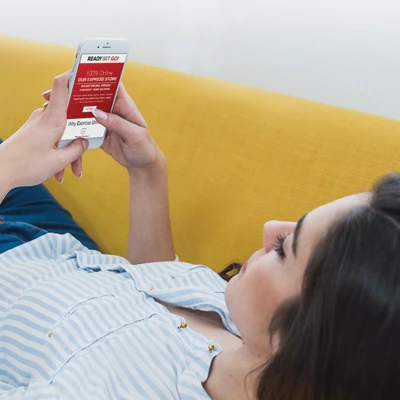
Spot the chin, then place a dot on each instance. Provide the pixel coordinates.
(230, 289)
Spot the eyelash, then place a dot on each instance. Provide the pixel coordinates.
(278, 247)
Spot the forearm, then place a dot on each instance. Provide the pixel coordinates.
(150, 235)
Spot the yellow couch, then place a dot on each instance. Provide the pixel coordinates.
(238, 156)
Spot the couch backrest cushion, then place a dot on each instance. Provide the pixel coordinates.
(238, 156)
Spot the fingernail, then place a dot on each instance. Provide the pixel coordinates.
(45, 104)
(62, 180)
(80, 175)
(99, 114)
(85, 144)
(46, 92)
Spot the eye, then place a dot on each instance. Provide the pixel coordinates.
(278, 247)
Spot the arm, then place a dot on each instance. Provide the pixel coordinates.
(129, 142)
(30, 156)
(150, 236)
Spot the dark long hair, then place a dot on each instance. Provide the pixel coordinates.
(340, 338)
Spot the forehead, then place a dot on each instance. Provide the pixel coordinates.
(318, 221)
(330, 210)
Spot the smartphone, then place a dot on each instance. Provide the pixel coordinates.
(94, 83)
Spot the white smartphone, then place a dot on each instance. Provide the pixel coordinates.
(94, 83)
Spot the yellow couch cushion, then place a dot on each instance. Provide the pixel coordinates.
(238, 156)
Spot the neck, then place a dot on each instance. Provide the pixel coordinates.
(232, 376)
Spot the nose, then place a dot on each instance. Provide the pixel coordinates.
(274, 228)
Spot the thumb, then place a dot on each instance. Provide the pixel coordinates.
(73, 151)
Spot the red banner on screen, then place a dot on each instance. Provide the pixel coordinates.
(96, 84)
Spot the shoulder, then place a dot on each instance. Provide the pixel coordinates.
(176, 274)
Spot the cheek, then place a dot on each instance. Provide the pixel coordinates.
(263, 292)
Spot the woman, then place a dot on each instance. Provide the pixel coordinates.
(314, 314)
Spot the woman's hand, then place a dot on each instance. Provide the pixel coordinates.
(129, 142)
(128, 139)
(31, 155)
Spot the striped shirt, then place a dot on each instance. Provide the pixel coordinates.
(78, 324)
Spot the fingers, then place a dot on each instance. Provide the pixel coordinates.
(128, 131)
(76, 167)
(59, 176)
(47, 94)
(72, 154)
(58, 103)
(106, 146)
(126, 108)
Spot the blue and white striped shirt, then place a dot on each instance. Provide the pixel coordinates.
(77, 324)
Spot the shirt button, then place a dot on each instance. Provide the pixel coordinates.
(112, 294)
(173, 276)
(151, 288)
(183, 325)
(211, 347)
(50, 334)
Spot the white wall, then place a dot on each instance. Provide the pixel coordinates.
(341, 52)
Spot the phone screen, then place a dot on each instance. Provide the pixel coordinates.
(95, 86)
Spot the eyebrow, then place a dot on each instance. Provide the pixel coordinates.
(296, 233)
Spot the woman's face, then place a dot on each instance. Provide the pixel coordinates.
(275, 273)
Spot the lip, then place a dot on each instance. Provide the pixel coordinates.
(244, 267)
